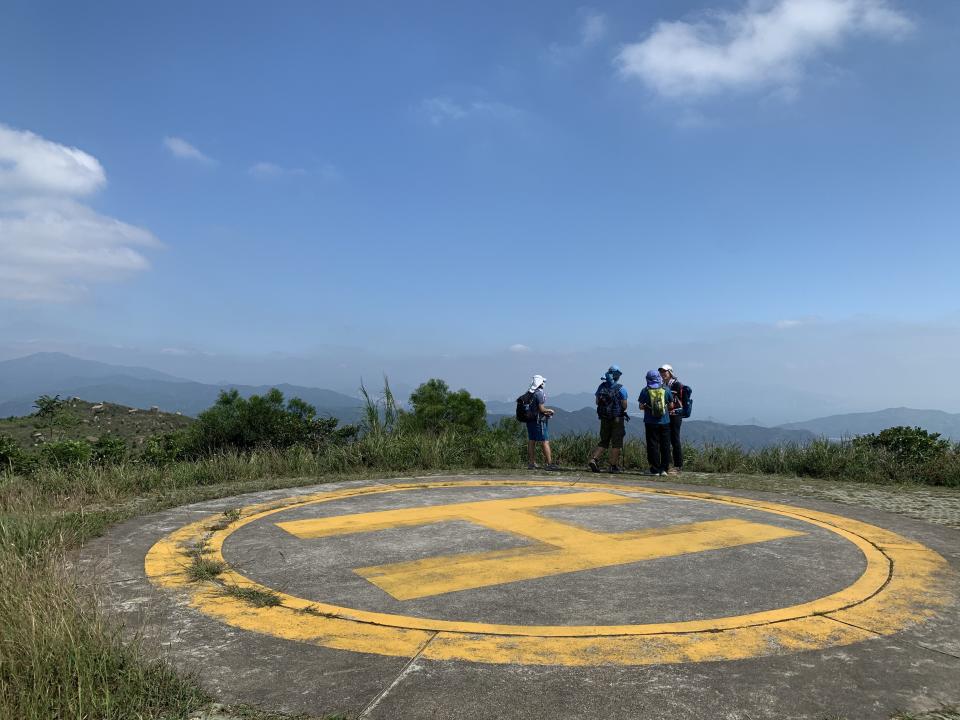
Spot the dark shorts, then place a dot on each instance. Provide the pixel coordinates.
(537, 431)
(612, 431)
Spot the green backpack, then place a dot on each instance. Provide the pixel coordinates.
(657, 402)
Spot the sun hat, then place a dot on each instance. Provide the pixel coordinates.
(668, 368)
(611, 371)
(653, 379)
(537, 381)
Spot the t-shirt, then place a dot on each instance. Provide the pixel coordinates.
(540, 398)
(647, 416)
(623, 396)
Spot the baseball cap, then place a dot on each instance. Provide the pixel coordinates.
(666, 367)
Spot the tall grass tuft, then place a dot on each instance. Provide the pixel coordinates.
(59, 658)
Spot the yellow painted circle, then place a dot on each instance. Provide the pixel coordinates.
(897, 588)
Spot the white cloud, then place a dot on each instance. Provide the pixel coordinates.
(327, 172)
(765, 44)
(269, 171)
(53, 246)
(182, 149)
(592, 30)
(28, 163)
(593, 27)
(518, 348)
(440, 110)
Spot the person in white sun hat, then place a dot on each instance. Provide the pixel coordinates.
(538, 428)
(676, 415)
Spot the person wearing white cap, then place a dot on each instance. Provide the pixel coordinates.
(676, 416)
(538, 430)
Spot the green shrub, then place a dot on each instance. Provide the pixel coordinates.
(257, 422)
(66, 452)
(908, 445)
(437, 409)
(165, 448)
(109, 449)
(10, 453)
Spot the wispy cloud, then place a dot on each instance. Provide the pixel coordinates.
(53, 246)
(327, 172)
(272, 171)
(592, 29)
(765, 45)
(182, 149)
(518, 348)
(442, 109)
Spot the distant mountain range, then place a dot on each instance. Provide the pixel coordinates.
(840, 426)
(697, 432)
(24, 379)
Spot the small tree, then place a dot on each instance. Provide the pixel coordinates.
(436, 408)
(53, 413)
(912, 445)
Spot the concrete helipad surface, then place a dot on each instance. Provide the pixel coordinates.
(546, 597)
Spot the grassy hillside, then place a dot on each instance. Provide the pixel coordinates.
(131, 424)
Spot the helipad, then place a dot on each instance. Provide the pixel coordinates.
(515, 573)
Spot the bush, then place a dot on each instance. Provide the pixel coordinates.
(109, 450)
(66, 452)
(258, 422)
(908, 445)
(10, 453)
(165, 448)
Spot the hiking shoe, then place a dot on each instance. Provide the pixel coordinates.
(663, 473)
(652, 472)
(615, 469)
(551, 466)
(593, 465)
(532, 466)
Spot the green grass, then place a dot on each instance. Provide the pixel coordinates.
(112, 419)
(254, 596)
(204, 569)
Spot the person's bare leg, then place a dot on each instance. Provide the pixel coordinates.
(615, 456)
(546, 452)
(597, 452)
(531, 452)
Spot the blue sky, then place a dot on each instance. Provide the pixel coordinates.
(375, 186)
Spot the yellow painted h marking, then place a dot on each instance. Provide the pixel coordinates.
(557, 547)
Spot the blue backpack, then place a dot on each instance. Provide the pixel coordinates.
(686, 400)
(608, 401)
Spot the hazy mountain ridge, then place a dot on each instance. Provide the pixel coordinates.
(22, 380)
(21, 384)
(850, 424)
(696, 432)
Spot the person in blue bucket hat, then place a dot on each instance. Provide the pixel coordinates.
(611, 399)
(655, 400)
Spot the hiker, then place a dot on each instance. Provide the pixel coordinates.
(655, 400)
(538, 427)
(671, 382)
(611, 400)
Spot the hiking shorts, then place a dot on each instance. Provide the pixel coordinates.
(537, 431)
(612, 431)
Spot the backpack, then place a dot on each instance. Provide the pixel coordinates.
(528, 409)
(683, 399)
(608, 401)
(686, 397)
(657, 402)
